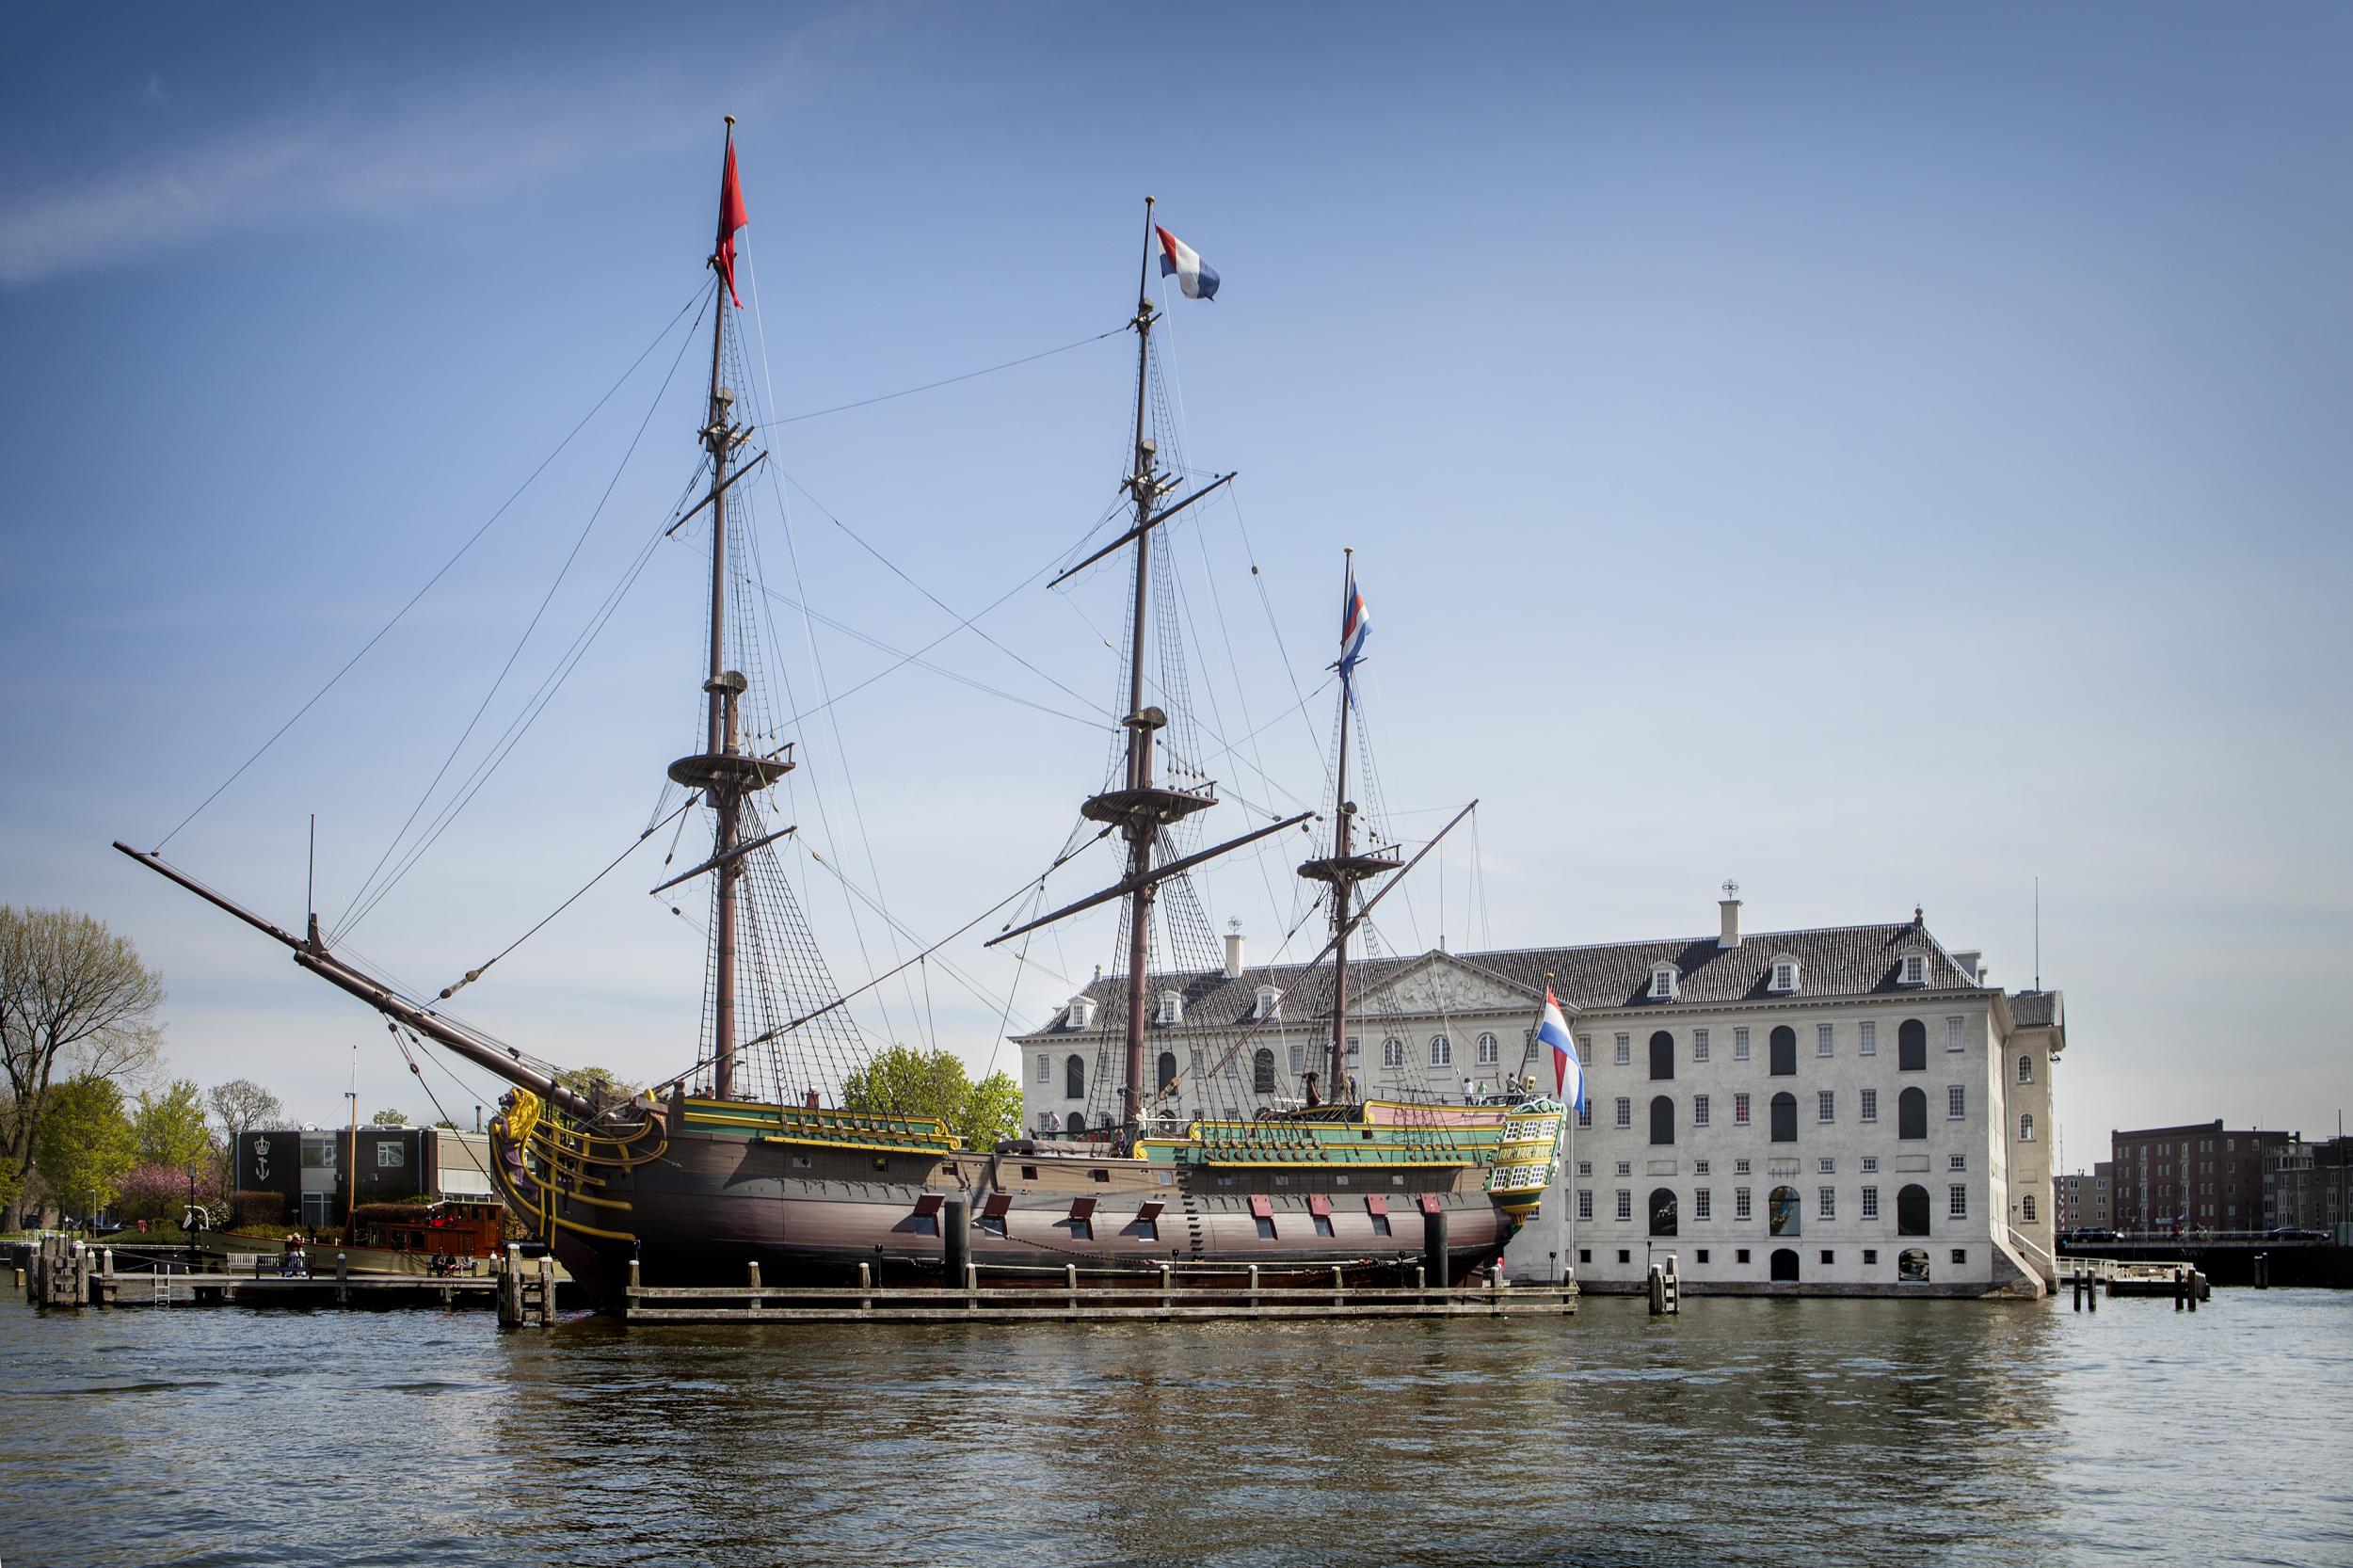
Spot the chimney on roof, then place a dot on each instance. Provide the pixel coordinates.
(1233, 949)
(1729, 907)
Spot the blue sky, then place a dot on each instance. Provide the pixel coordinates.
(1880, 457)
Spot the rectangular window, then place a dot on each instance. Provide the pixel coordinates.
(1046, 1069)
(1625, 1111)
(1699, 1167)
(1959, 1162)
(1866, 1039)
(1625, 1203)
(1299, 1060)
(1826, 1202)
(1826, 1165)
(1740, 1109)
(1741, 1043)
(1871, 1255)
(1584, 1202)
(1585, 1115)
(1323, 1225)
(2026, 1207)
(1870, 1163)
(318, 1152)
(1531, 1054)
(1699, 1045)
(1952, 1034)
(1870, 1105)
(1870, 1202)
(1821, 1039)
(1699, 1109)
(1626, 1168)
(1355, 1048)
(1739, 1167)
(1825, 1105)
(1702, 1204)
(1739, 1203)
(1584, 1167)
(1266, 1227)
(389, 1157)
(1955, 1101)
(1957, 1202)
(1960, 1255)
(1624, 1050)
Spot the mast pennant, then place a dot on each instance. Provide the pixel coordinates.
(731, 218)
(1197, 278)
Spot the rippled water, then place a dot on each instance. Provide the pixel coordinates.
(1801, 1432)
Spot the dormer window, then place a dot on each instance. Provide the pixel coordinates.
(1081, 1014)
(1172, 1007)
(1662, 983)
(1911, 969)
(1786, 974)
(1270, 1003)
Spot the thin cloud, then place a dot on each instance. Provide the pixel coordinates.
(312, 168)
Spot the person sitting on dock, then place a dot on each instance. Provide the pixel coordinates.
(293, 1265)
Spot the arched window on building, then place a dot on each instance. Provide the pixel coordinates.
(1785, 1118)
(1074, 1078)
(1441, 1051)
(1168, 1069)
(1393, 1054)
(1262, 1071)
(2025, 1128)
(1662, 1055)
(1662, 1211)
(1911, 1210)
(1783, 1045)
(1912, 1115)
(1781, 1212)
(1490, 1051)
(1911, 1046)
(1662, 1120)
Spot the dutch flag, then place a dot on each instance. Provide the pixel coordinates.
(1568, 1073)
(1355, 625)
(1197, 278)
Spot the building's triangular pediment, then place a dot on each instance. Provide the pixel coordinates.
(1441, 982)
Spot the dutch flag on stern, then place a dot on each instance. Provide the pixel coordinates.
(1197, 278)
(1568, 1073)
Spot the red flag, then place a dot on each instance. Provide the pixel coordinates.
(731, 218)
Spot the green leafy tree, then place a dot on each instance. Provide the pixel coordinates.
(601, 1084)
(904, 1082)
(75, 1003)
(86, 1142)
(171, 1128)
(388, 1117)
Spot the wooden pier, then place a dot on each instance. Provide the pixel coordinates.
(1175, 1295)
(66, 1273)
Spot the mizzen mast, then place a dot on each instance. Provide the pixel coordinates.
(1344, 868)
(722, 771)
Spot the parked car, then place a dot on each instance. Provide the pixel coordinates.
(2295, 1233)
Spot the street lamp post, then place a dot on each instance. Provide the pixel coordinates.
(187, 1220)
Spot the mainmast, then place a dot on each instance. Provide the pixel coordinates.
(721, 770)
(1343, 869)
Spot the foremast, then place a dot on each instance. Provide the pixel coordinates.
(722, 771)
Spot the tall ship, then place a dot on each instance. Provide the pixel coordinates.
(750, 1154)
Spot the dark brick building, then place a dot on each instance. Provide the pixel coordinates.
(2200, 1176)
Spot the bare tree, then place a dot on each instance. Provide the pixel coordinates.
(241, 1106)
(72, 993)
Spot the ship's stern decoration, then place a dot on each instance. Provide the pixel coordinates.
(1528, 1157)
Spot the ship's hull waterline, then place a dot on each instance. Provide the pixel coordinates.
(708, 1205)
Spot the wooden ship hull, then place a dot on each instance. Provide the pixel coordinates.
(701, 1190)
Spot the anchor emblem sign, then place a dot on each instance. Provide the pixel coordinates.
(261, 1158)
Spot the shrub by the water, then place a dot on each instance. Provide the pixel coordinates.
(257, 1208)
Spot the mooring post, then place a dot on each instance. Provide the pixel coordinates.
(1339, 1295)
(547, 1291)
(971, 1286)
(343, 1278)
(1657, 1291)
(751, 1277)
(107, 1277)
(866, 1283)
(2077, 1277)
(1254, 1288)
(510, 1296)
(956, 1238)
(1164, 1273)
(1434, 1259)
(1421, 1286)
(2263, 1270)
(2181, 1288)
(2092, 1289)
(1070, 1283)
(2197, 1284)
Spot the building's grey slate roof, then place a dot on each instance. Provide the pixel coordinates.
(2035, 1009)
(1838, 961)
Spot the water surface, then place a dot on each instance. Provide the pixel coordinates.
(1744, 1432)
